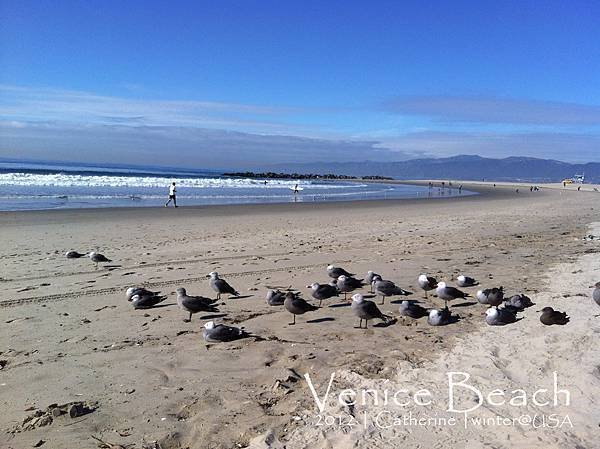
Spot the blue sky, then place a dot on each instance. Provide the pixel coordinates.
(249, 83)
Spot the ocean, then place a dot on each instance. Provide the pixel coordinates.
(39, 186)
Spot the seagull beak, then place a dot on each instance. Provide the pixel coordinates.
(309, 286)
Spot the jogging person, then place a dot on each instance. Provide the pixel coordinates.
(172, 195)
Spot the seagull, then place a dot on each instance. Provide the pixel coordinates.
(500, 317)
(370, 277)
(346, 284)
(73, 254)
(439, 317)
(427, 283)
(448, 293)
(465, 281)
(550, 316)
(97, 258)
(220, 332)
(194, 304)
(518, 302)
(323, 291)
(146, 300)
(139, 291)
(412, 310)
(366, 310)
(596, 293)
(297, 306)
(336, 272)
(220, 285)
(492, 296)
(275, 297)
(388, 288)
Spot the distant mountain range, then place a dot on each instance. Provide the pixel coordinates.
(462, 167)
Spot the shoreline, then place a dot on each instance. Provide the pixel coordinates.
(483, 192)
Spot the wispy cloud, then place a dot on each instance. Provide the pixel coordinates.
(47, 104)
(500, 110)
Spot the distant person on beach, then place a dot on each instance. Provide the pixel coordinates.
(172, 195)
(296, 189)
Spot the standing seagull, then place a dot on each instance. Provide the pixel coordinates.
(492, 296)
(297, 306)
(500, 317)
(412, 310)
(347, 284)
(366, 310)
(439, 317)
(98, 258)
(220, 285)
(336, 272)
(449, 293)
(550, 316)
(323, 291)
(214, 333)
(465, 281)
(194, 304)
(371, 276)
(596, 293)
(387, 288)
(427, 283)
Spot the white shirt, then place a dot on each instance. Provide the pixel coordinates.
(172, 190)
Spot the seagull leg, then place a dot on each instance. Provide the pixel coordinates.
(366, 324)
(382, 300)
(294, 322)
(320, 301)
(425, 294)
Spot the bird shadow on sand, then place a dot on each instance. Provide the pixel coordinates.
(158, 306)
(214, 316)
(321, 320)
(453, 320)
(465, 304)
(398, 301)
(242, 296)
(341, 304)
(385, 324)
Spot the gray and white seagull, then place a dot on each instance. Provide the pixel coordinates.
(448, 293)
(427, 283)
(336, 272)
(367, 310)
(388, 288)
(323, 291)
(220, 285)
(194, 304)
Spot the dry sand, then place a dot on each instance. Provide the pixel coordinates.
(68, 333)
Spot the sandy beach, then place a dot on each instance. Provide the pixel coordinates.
(68, 333)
